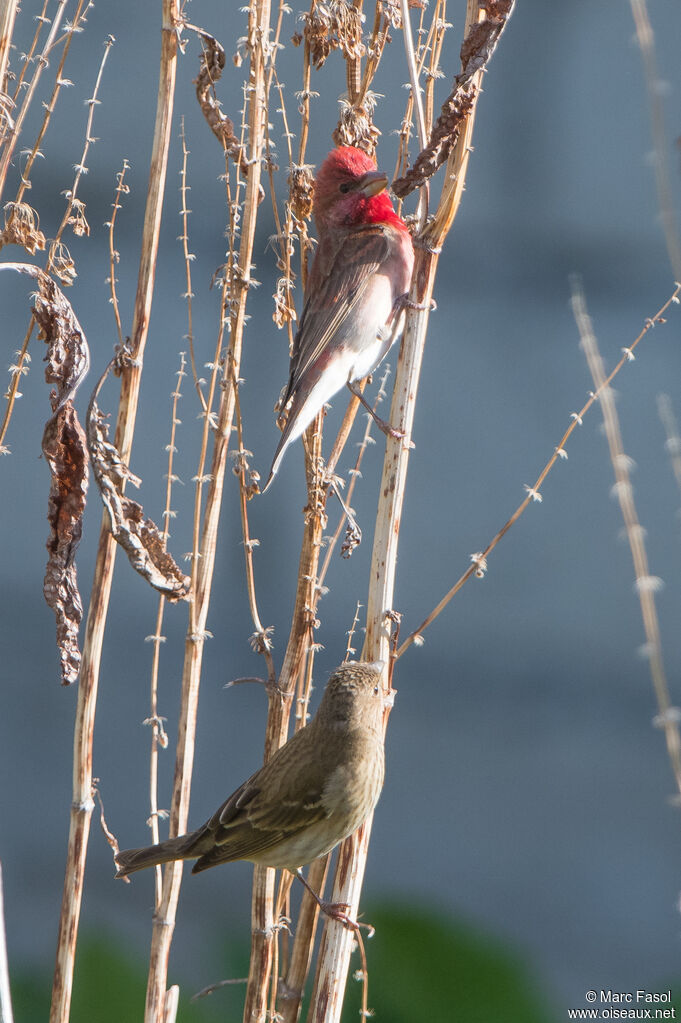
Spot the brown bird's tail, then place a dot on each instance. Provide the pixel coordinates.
(130, 860)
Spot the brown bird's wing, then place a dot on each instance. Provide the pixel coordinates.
(343, 267)
(264, 811)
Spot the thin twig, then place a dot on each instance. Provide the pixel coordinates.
(260, 640)
(14, 133)
(673, 442)
(59, 83)
(188, 257)
(121, 190)
(665, 193)
(646, 584)
(159, 739)
(19, 221)
(478, 564)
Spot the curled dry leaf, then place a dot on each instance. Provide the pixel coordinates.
(65, 452)
(63, 445)
(211, 66)
(139, 536)
(476, 52)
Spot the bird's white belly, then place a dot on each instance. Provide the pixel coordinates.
(354, 361)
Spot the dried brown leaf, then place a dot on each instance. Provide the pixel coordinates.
(139, 536)
(211, 66)
(22, 227)
(65, 452)
(67, 363)
(68, 356)
(476, 52)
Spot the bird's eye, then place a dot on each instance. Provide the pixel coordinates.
(346, 186)
(376, 690)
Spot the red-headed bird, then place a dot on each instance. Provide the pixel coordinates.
(354, 299)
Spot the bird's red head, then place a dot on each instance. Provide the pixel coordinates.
(350, 190)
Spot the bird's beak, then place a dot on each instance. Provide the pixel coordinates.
(372, 183)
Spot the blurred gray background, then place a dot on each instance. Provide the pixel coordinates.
(527, 791)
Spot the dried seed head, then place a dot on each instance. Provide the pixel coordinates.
(334, 25)
(22, 227)
(301, 190)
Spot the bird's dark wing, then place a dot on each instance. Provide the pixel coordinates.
(262, 812)
(342, 268)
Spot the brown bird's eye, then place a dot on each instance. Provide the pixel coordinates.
(376, 690)
(346, 186)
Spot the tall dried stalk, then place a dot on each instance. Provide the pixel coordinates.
(646, 584)
(337, 941)
(82, 804)
(203, 566)
(8, 12)
(14, 133)
(478, 561)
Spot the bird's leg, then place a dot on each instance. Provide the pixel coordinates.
(406, 303)
(386, 428)
(334, 910)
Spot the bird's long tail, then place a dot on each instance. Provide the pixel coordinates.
(130, 860)
(284, 442)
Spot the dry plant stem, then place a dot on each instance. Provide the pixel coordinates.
(18, 370)
(27, 58)
(82, 805)
(5, 996)
(299, 650)
(22, 362)
(478, 564)
(673, 442)
(171, 1004)
(354, 472)
(203, 565)
(81, 167)
(121, 189)
(336, 946)
(645, 583)
(345, 430)
(189, 294)
(8, 11)
(158, 735)
(305, 96)
(49, 108)
(291, 993)
(665, 193)
(260, 639)
(15, 132)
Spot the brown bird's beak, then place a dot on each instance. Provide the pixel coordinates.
(372, 183)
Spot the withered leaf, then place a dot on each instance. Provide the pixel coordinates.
(64, 449)
(477, 50)
(65, 452)
(22, 227)
(139, 536)
(211, 66)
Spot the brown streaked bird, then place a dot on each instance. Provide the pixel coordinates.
(317, 789)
